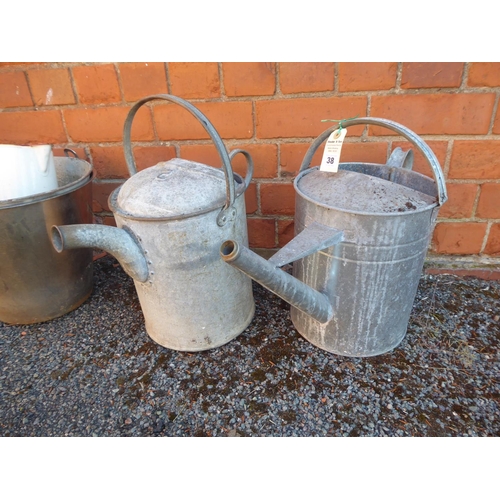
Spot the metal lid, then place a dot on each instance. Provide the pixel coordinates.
(361, 193)
(173, 189)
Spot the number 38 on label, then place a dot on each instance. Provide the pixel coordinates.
(330, 159)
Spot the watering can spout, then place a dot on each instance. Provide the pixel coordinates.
(120, 243)
(290, 289)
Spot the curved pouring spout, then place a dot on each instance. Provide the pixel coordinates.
(268, 274)
(117, 242)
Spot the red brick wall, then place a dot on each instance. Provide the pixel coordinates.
(274, 110)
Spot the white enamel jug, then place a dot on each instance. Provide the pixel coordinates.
(26, 170)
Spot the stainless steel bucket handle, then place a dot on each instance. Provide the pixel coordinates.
(228, 212)
(68, 151)
(396, 127)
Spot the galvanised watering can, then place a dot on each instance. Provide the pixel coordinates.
(171, 218)
(362, 234)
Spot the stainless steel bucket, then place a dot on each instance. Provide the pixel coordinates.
(36, 282)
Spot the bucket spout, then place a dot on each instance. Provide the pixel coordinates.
(290, 289)
(120, 243)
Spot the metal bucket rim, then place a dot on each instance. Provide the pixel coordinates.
(54, 193)
(356, 212)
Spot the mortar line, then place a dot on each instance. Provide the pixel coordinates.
(486, 236)
(399, 76)
(465, 77)
(120, 83)
(447, 158)
(476, 201)
(167, 75)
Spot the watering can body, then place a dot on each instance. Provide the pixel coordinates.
(170, 220)
(191, 300)
(370, 277)
(362, 234)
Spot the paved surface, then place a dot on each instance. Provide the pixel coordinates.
(95, 372)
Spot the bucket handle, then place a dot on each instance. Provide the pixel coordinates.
(396, 127)
(68, 151)
(228, 212)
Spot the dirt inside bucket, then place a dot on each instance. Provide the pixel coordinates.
(357, 192)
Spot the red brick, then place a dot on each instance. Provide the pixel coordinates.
(51, 87)
(232, 120)
(106, 124)
(435, 113)
(251, 199)
(460, 202)
(354, 77)
(286, 230)
(302, 117)
(149, 156)
(420, 164)
(292, 155)
(261, 233)
(194, 80)
(14, 91)
(207, 154)
(100, 195)
(493, 244)
(265, 160)
(459, 238)
(475, 160)
(109, 221)
(249, 78)
(109, 162)
(489, 202)
(140, 80)
(7, 64)
(264, 156)
(97, 84)
(32, 127)
(496, 124)
(202, 153)
(435, 74)
(484, 74)
(306, 77)
(277, 198)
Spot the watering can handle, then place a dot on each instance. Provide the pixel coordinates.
(221, 149)
(396, 127)
(246, 154)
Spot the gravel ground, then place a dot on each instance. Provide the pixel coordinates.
(96, 372)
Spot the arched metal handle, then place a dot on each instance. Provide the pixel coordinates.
(249, 173)
(67, 152)
(396, 127)
(221, 149)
